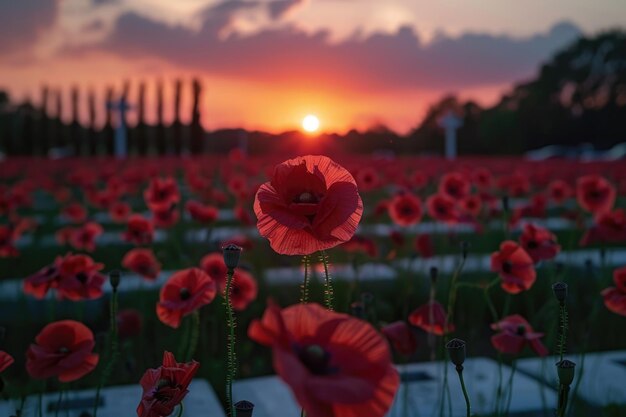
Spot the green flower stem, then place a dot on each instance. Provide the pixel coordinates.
(114, 350)
(304, 288)
(181, 408)
(59, 400)
(328, 285)
(468, 406)
(563, 396)
(195, 334)
(563, 332)
(232, 358)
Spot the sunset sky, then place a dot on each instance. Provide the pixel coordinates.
(266, 64)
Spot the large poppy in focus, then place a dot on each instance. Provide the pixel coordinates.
(143, 262)
(185, 292)
(405, 209)
(336, 365)
(539, 243)
(165, 387)
(62, 349)
(310, 204)
(595, 194)
(515, 266)
(431, 317)
(615, 297)
(515, 333)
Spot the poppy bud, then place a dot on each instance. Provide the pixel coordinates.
(231, 256)
(114, 277)
(565, 370)
(434, 272)
(244, 408)
(505, 203)
(560, 291)
(456, 351)
(464, 248)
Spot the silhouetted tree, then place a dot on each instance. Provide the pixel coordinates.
(107, 130)
(59, 129)
(142, 139)
(161, 144)
(91, 133)
(177, 127)
(197, 143)
(75, 128)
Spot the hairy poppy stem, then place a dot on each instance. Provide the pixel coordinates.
(563, 329)
(328, 285)
(195, 334)
(468, 406)
(304, 288)
(232, 358)
(114, 350)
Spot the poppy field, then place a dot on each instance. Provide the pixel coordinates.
(325, 272)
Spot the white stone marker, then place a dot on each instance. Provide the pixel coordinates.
(272, 397)
(118, 401)
(450, 123)
(603, 381)
(122, 107)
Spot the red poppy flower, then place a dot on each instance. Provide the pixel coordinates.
(310, 204)
(431, 317)
(143, 262)
(367, 179)
(471, 204)
(361, 244)
(442, 208)
(482, 178)
(514, 334)
(164, 219)
(609, 227)
(243, 215)
(242, 241)
(64, 235)
(165, 387)
(185, 292)
(615, 297)
(213, 264)
(129, 323)
(7, 245)
(139, 230)
(46, 278)
(5, 360)
(419, 180)
(595, 194)
(79, 278)
(119, 212)
(335, 364)
(539, 243)
(397, 238)
(402, 337)
(405, 209)
(62, 349)
(200, 212)
(381, 208)
(243, 289)
(455, 185)
(75, 212)
(161, 194)
(515, 266)
(560, 191)
(84, 238)
(424, 246)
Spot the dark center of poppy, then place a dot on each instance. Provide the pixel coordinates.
(440, 209)
(507, 267)
(185, 294)
(406, 210)
(161, 194)
(162, 390)
(315, 358)
(63, 350)
(306, 198)
(532, 244)
(51, 270)
(82, 277)
(521, 330)
(595, 194)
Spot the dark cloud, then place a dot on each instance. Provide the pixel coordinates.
(23, 21)
(378, 61)
(279, 8)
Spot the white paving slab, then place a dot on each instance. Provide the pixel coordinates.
(603, 381)
(117, 401)
(423, 385)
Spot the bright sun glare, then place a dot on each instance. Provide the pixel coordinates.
(310, 123)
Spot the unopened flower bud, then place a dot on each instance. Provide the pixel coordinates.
(456, 351)
(244, 408)
(565, 370)
(560, 291)
(231, 256)
(434, 272)
(114, 278)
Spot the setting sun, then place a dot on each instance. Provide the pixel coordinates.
(310, 123)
